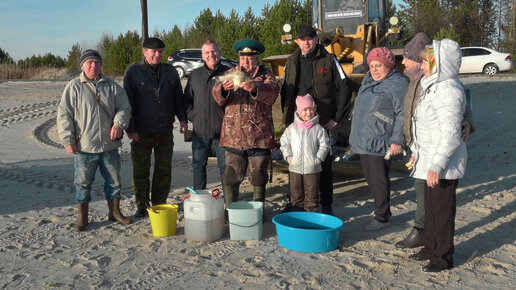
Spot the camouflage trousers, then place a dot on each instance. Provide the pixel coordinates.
(141, 152)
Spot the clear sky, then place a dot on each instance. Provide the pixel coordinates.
(32, 27)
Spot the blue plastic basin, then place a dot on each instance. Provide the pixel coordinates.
(308, 232)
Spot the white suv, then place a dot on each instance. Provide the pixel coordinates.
(485, 60)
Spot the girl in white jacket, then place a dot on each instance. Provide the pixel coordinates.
(439, 151)
(304, 145)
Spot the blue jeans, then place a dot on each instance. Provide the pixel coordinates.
(201, 148)
(86, 165)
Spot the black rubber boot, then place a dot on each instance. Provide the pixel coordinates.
(141, 211)
(82, 217)
(327, 209)
(259, 195)
(115, 214)
(414, 239)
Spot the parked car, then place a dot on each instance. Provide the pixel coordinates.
(188, 59)
(485, 60)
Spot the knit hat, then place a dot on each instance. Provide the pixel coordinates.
(153, 43)
(306, 30)
(89, 54)
(383, 55)
(415, 46)
(303, 102)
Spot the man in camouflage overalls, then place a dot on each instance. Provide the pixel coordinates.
(247, 129)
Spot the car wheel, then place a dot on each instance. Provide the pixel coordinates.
(180, 72)
(490, 69)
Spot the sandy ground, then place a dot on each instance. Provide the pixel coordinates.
(38, 248)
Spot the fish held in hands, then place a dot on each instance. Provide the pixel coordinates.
(237, 77)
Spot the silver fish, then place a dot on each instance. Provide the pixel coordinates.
(238, 77)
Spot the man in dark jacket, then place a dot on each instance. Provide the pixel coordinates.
(205, 114)
(312, 70)
(156, 97)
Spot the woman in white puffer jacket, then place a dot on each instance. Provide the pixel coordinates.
(439, 152)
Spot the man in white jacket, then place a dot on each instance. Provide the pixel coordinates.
(93, 112)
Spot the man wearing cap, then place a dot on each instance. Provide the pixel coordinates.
(205, 114)
(247, 127)
(93, 112)
(412, 63)
(156, 96)
(312, 70)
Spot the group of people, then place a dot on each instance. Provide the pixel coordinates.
(424, 111)
(93, 113)
(234, 118)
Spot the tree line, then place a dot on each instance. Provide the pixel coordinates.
(488, 23)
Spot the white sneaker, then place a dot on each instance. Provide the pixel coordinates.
(375, 225)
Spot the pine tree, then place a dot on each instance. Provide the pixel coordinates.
(421, 16)
(173, 40)
(5, 57)
(293, 12)
(125, 50)
(507, 26)
(73, 57)
(226, 37)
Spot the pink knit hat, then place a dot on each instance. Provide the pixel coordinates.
(383, 55)
(305, 101)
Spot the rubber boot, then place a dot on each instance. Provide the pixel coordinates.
(231, 193)
(115, 214)
(259, 195)
(82, 217)
(414, 239)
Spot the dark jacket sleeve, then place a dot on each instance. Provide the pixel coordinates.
(283, 90)
(398, 90)
(129, 89)
(287, 100)
(179, 102)
(188, 102)
(343, 93)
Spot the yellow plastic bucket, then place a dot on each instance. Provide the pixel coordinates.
(163, 222)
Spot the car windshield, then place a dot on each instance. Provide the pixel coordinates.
(346, 14)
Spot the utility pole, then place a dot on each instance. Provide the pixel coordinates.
(499, 44)
(145, 22)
